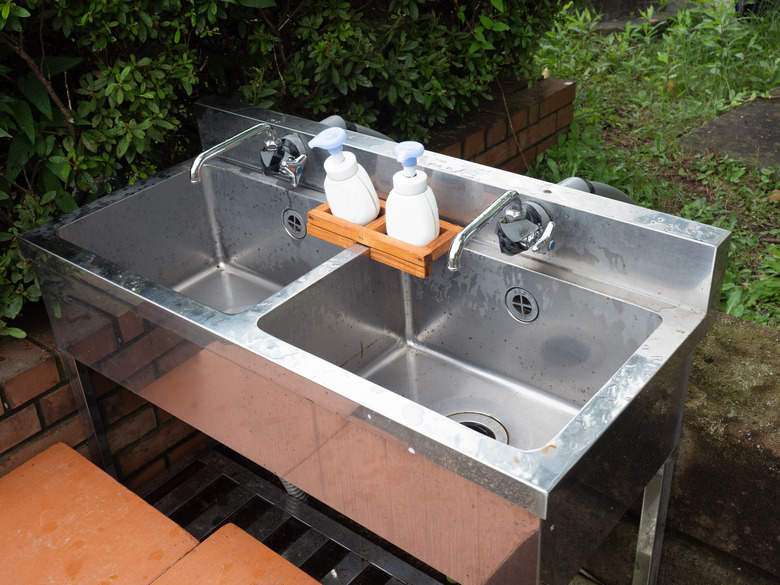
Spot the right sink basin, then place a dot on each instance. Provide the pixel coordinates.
(509, 353)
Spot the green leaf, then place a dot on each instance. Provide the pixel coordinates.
(733, 301)
(13, 308)
(91, 140)
(65, 202)
(19, 152)
(51, 66)
(20, 12)
(48, 197)
(13, 332)
(122, 147)
(60, 168)
(34, 91)
(24, 118)
(498, 5)
(51, 181)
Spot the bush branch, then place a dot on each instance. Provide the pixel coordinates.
(19, 50)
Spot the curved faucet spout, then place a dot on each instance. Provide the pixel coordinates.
(200, 160)
(463, 236)
(525, 226)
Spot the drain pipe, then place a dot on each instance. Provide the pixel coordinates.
(294, 491)
(597, 189)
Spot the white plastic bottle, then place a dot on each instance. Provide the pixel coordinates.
(412, 213)
(348, 188)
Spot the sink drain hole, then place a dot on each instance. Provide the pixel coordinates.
(521, 304)
(294, 224)
(481, 429)
(484, 424)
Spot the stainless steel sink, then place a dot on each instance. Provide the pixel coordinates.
(227, 242)
(513, 354)
(496, 422)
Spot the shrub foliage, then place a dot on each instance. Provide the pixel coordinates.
(95, 94)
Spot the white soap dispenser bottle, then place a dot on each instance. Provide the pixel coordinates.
(412, 213)
(348, 188)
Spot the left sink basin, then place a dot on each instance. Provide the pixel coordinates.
(227, 242)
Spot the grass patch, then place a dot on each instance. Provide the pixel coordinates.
(642, 88)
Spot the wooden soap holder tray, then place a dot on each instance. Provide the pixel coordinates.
(412, 259)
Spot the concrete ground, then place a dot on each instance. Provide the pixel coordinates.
(750, 132)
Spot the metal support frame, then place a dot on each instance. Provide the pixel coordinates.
(655, 502)
(89, 412)
(652, 523)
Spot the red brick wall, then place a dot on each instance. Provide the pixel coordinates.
(37, 407)
(510, 131)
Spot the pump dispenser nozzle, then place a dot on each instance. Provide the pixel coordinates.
(407, 154)
(331, 140)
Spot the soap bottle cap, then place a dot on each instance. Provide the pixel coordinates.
(407, 154)
(409, 181)
(331, 140)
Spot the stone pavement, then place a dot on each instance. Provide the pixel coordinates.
(750, 132)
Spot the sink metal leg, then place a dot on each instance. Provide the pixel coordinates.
(651, 525)
(89, 412)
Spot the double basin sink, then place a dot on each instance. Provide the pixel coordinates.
(495, 422)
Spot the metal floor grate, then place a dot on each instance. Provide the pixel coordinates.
(221, 486)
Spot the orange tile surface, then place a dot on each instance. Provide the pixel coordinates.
(66, 522)
(231, 557)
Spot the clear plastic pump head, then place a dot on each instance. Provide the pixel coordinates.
(331, 140)
(407, 154)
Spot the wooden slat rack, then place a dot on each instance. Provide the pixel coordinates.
(412, 259)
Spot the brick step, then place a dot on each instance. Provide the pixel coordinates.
(231, 557)
(67, 522)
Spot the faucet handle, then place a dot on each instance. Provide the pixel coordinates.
(272, 144)
(292, 168)
(545, 238)
(525, 226)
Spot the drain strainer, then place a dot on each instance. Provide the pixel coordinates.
(521, 304)
(484, 424)
(293, 223)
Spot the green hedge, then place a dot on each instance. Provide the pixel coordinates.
(97, 94)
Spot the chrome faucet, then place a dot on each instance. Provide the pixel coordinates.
(278, 157)
(524, 226)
